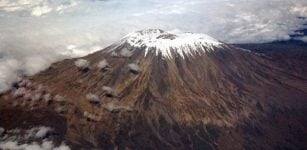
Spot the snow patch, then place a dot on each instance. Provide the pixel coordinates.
(166, 42)
(126, 53)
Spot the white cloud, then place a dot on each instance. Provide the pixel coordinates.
(42, 132)
(37, 7)
(108, 91)
(91, 116)
(59, 98)
(8, 72)
(40, 10)
(20, 92)
(61, 8)
(93, 98)
(82, 63)
(24, 140)
(303, 38)
(62, 147)
(134, 68)
(75, 51)
(38, 132)
(300, 10)
(103, 64)
(46, 145)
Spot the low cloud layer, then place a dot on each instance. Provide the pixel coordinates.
(35, 138)
(35, 33)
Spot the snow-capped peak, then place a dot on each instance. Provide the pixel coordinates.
(166, 42)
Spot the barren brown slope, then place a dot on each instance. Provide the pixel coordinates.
(226, 99)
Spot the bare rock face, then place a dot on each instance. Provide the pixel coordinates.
(189, 91)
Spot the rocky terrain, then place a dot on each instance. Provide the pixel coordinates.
(159, 90)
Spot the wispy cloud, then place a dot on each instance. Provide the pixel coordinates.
(36, 7)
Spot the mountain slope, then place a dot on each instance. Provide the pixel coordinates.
(291, 54)
(194, 93)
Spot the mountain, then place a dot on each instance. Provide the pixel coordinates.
(291, 54)
(159, 90)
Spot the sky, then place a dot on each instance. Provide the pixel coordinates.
(36, 33)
